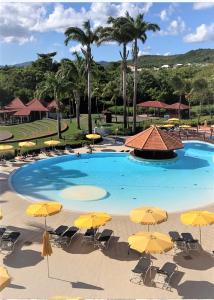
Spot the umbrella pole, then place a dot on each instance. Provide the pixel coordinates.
(148, 227)
(47, 255)
(200, 233)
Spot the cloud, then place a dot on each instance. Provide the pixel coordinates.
(203, 33)
(167, 54)
(20, 21)
(203, 5)
(16, 21)
(166, 13)
(175, 27)
(77, 48)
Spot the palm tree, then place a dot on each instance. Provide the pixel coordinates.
(118, 33)
(199, 87)
(86, 37)
(179, 86)
(137, 28)
(56, 87)
(74, 72)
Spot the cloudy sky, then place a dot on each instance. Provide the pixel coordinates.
(30, 28)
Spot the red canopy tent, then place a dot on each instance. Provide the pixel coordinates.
(178, 106)
(153, 104)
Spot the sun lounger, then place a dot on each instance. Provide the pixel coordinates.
(103, 239)
(9, 239)
(67, 236)
(178, 241)
(192, 243)
(89, 236)
(141, 270)
(165, 274)
(2, 231)
(58, 231)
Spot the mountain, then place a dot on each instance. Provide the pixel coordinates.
(192, 57)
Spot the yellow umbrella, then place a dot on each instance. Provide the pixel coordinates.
(167, 126)
(150, 242)
(185, 126)
(198, 218)
(6, 147)
(4, 278)
(1, 215)
(46, 250)
(173, 120)
(148, 215)
(26, 144)
(92, 220)
(52, 143)
(93, 136)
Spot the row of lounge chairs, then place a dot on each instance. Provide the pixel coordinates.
(63, 236)
(8, 239)
(162, 277)
(184, 242)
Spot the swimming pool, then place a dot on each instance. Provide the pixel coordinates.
(120, 182)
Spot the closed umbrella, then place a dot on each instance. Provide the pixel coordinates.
(4, 278)
(92, 220)
(46, 250)
(148, 215)
(198, 218)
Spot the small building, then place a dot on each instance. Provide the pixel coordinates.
(165, 66)
(18, 112)
(154, 143)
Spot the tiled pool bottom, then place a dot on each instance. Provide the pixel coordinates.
(122, 183)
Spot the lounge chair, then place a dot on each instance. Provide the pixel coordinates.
(58, 231)
(67, 236)
(140, 271)
(178, 241)
(103, 239)
(89, 236)
(2, 231)
(165, 274)
(9, 239)
(192, 243)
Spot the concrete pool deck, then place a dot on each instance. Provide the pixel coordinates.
(83, 271)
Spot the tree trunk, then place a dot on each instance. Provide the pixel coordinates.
(135, 86)
(124, 57)
(89, 89)
(179, 111)
(58, 116)
(77, 98)
(58, 124)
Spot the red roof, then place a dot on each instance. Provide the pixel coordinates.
(36, 105)
(52, 105)
(154, 139)
(178, 106)
(25, 111)
(16, 103)
(155, 104)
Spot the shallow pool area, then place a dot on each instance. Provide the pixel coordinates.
(117, 183)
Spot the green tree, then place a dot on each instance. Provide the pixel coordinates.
(86, 37)
(199, 89)
(54, 86)
(138, 28)
(179, 89)
(117, 32)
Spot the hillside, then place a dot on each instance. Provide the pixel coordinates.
(193, 56)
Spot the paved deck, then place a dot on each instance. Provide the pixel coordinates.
(91, 273)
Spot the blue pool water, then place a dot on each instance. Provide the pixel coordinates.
(182, 183)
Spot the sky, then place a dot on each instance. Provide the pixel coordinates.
(30, 28)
